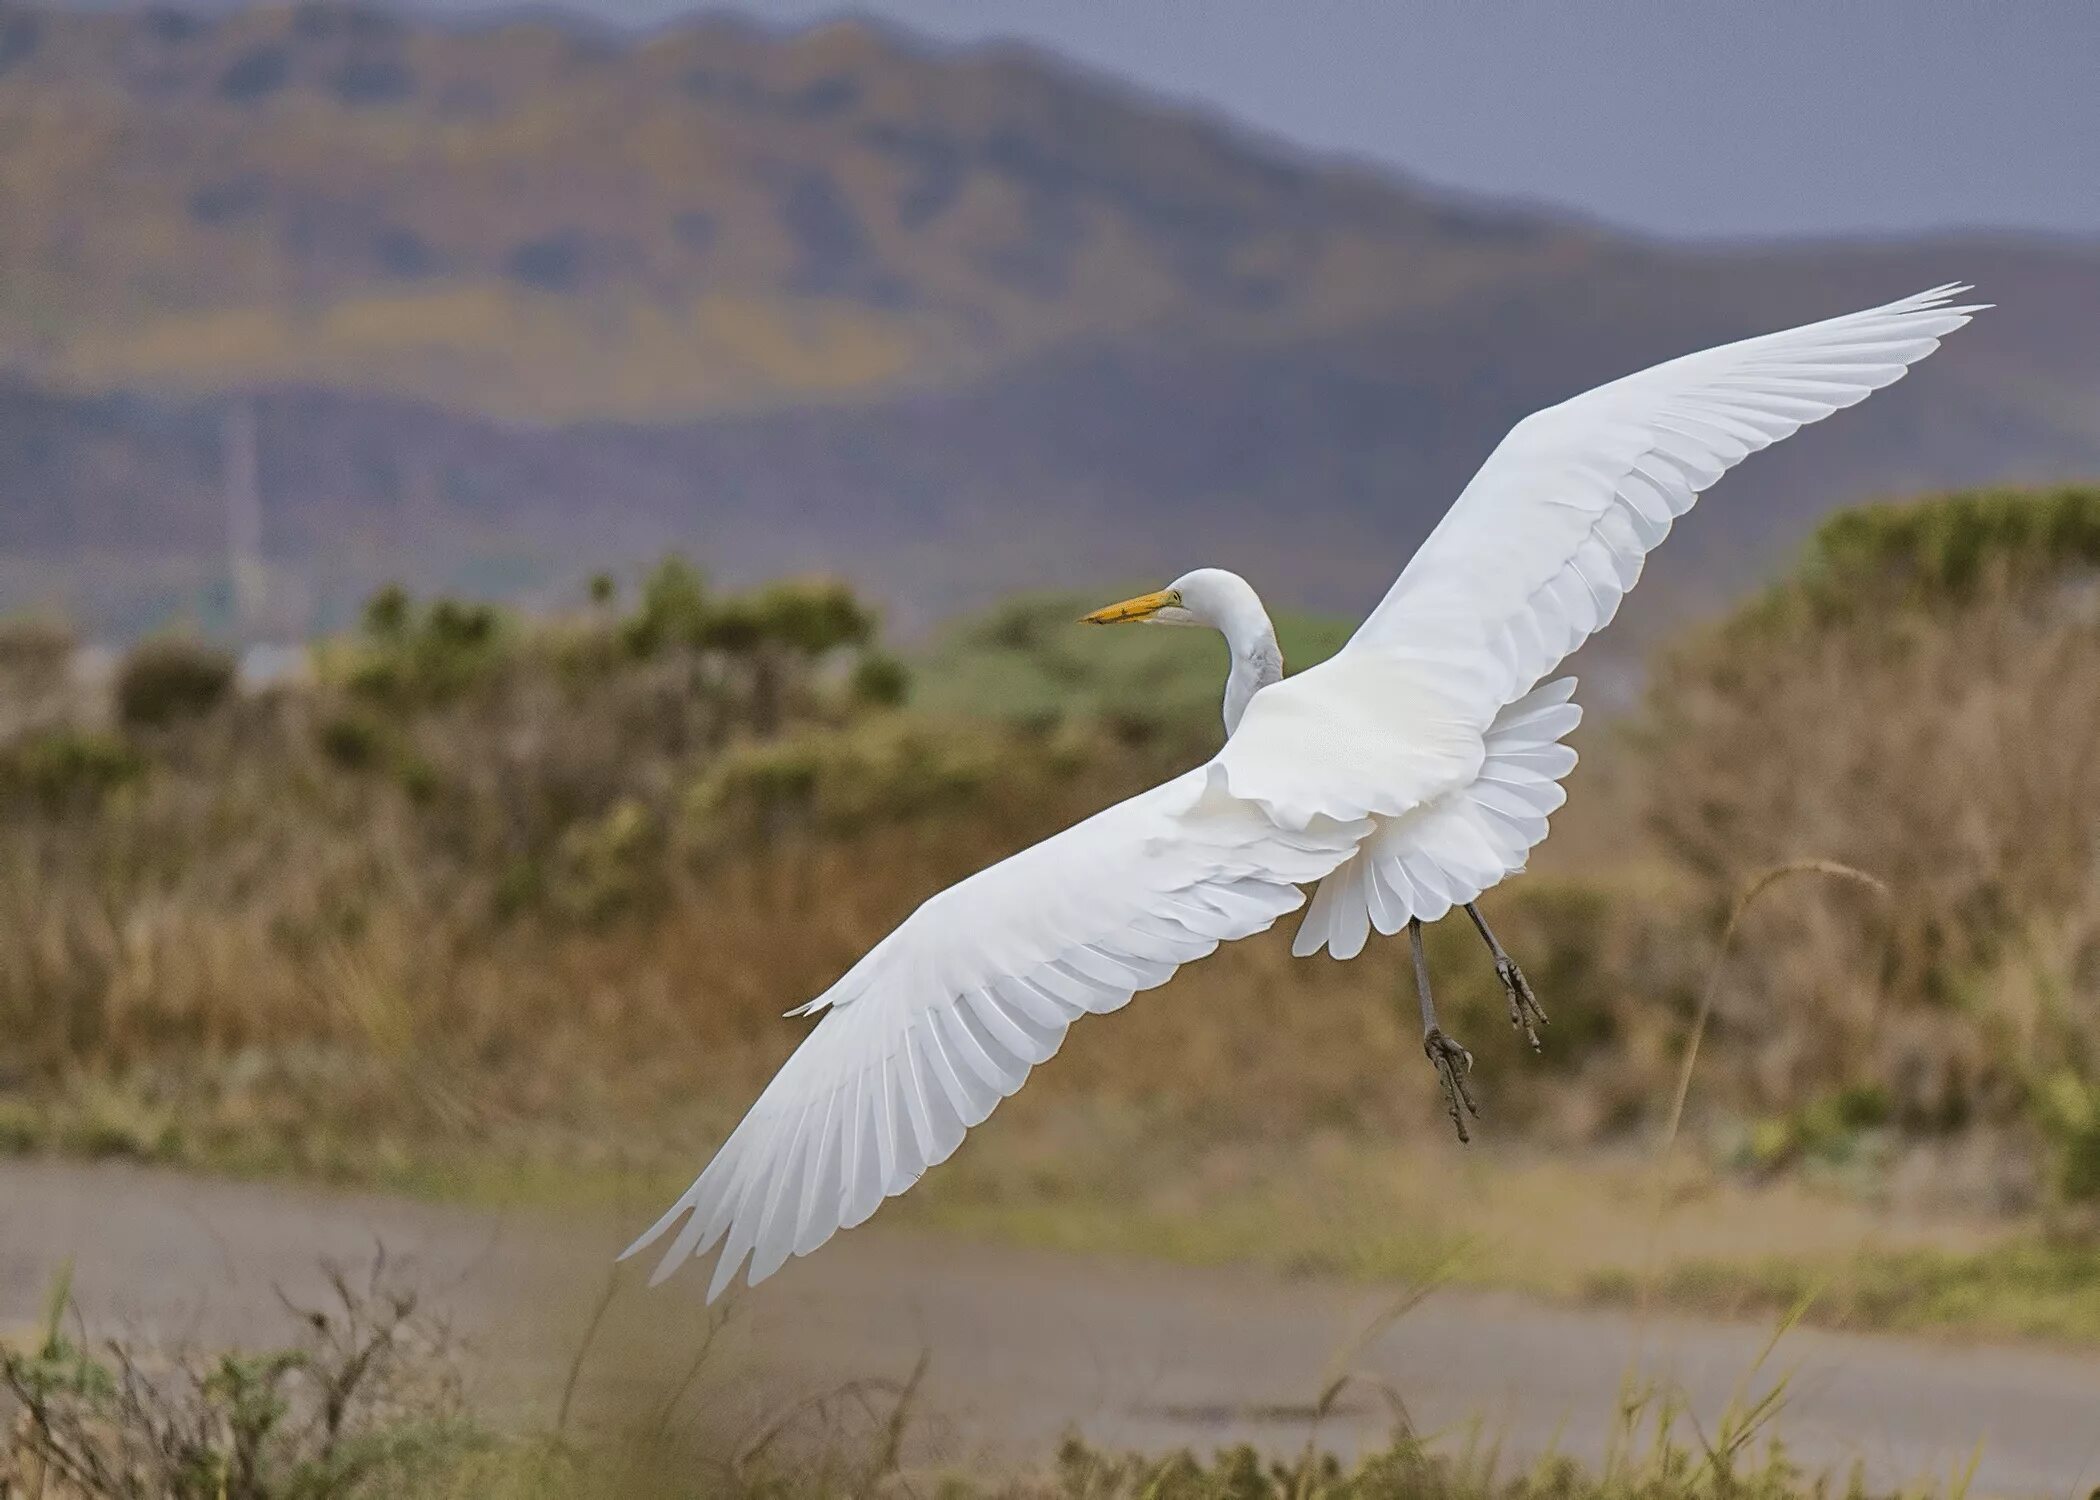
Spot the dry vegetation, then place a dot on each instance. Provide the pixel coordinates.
(365, 1399)
(489, 894)
(1920, 703)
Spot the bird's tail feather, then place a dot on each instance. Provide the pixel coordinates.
(1446, 852)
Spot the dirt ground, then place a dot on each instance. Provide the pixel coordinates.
(1023, 1345)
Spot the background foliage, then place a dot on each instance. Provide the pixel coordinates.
(478, 883)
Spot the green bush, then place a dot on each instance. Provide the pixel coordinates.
(602, 865)
(172, 679)
(2068, 1109)
(418, 777)
(812, 618)
(834, 782)
(387, 613)
(1932, 554)
(352, 741)
(1946, 548)
(62, 768)
(672, 610)
(880, 680)
(407, 657)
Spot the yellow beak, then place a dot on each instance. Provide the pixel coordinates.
(1143, 607)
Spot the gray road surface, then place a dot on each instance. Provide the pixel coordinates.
(1023, 1344)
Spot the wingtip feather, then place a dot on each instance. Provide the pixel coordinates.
(657, 1230)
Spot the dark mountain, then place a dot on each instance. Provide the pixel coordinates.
(515, 302)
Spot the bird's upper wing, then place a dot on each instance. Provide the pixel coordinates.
(945, 1016)
(1440, 736)
(1538, 549)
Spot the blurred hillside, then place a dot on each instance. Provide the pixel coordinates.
(513, 301)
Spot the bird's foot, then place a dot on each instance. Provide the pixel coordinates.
(1452, 1063)
(1524, 1007)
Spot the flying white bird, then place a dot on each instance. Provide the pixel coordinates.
(1405, 775)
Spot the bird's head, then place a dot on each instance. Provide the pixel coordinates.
(1207, 596)
(1226, 603)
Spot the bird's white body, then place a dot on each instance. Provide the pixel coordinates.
(1408, 773)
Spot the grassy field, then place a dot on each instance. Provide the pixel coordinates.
(498, 907)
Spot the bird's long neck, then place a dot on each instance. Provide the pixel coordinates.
(1257, 660)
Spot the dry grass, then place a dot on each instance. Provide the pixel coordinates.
(365, 1397)
(1946, 751)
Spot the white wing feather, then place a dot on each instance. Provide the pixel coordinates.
(943, 1018)
(1535, 554)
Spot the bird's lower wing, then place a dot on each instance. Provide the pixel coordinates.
(946, 1016)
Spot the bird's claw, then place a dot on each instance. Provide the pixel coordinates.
(1452, 1063)
(1524, 1008)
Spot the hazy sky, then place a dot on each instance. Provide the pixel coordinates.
(1685, 117)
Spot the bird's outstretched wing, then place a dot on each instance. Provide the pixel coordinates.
(1531, 560)
(942, 1019)
(1535, 554)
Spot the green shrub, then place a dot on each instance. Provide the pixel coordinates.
(880, 680)
(166, 681)
(1832, 1130)
(62, 768)
(835, 782)
(387, 613)
(806, 619)
(602, 865)
(812, 618)
(352, 741)
(2068, 1109)
(407, 658)
(734, 626)
(459, 626)
(418, 777)
(1946, 548)
(1932, 554)
(672, 610)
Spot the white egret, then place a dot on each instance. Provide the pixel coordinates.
(1405, 775)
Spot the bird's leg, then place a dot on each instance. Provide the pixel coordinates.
(1451, 1061)
(1523, 1005)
